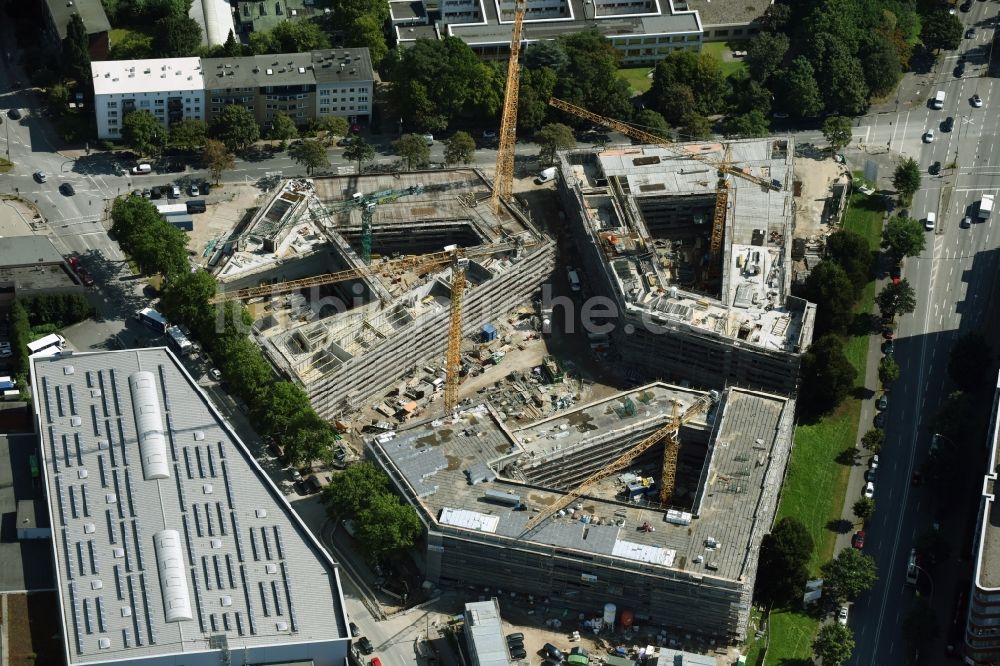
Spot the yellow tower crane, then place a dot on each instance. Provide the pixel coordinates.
(503, 181)
(669, 475)
(670, 429)
(453, 360)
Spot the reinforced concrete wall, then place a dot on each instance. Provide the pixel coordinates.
(427, 336)
(674, 351)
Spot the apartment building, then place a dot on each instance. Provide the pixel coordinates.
(306, 86)
(171, 89)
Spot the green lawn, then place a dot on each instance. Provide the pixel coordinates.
(636, 78)
(719, 48)
(816, 482)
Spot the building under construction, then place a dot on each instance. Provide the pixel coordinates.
(699, 268)
(346, 341)
(487, 495)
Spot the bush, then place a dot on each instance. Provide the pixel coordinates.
(105, 145)
(57, 310)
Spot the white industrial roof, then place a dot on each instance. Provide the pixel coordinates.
(161, 548)
(146, 76)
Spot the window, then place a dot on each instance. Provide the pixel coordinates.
(277, 8)
(737, 32)
(112, 121)
(324, 109)
(112, 105)
(721, 33)
(159, 102)
(112, 114)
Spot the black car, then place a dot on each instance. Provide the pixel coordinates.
(959, 70)
(365, 645)
(887, 348)
(515, 638)
(879, 420)
(355, 632)
(934, 169)
(966, 6)
(970, 33)
(948, 124)
(14, 114)
(518, 654)
(67, 189)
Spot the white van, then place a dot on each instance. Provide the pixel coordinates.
(930, 221)
(546, 175)
(938, 101)
(142, 169)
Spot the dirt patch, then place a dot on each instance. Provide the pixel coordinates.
(33, 633)
(817, 178)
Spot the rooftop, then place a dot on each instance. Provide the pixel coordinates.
(91, 11)
(409, 33)
(27, 251)
(728, 12)
(572, 18)
(407, 10)
(988, 561)
(166, 532)
(484, 631)
(146, 76)
(289, 69)
(455, 470)
(265, 16)
(642, 198)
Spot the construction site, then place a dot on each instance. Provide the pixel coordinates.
(351, 279)
(653, 501)
(692, 242)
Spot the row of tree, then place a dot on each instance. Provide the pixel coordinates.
(384, 525)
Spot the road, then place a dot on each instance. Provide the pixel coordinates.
(954, 282)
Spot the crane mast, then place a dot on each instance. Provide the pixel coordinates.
(503, 181)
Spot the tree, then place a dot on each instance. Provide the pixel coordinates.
(414, 149)
(748, 125)
(349, 491)
(882, 66)
(775, 17)
(545, 55)
(896, 299)
(386, 526)
(829, 287)
(236, 127)
(932, 547)
(143, 133)
(537, 86)
(765, 51)
(849, 574)
(299, 37)
(76, 50)
(682, 102)
(311, 154)
(834, 644)
(132, 46)
(888, 370)
(903, 237)
(652, 122)
(784, 560)
(798, 91)
(282, 127)
(232, 48)
(552, 138)
(243, 365)
(57, 99)
(852, 253)
(906, 178)
(309, 439)
(873, 439)
(695, 126)
(590, 76)
(920, 625)
(188, 134)
(366, 31)
(218, 158)
(941, 31)
(837, 131)
(827, 375)
(176, 36)
(284, 404)
(702, 72)
(459, 148)
(331, 126)
(749, 95)
(956, 419)
(845, 88)
(864, 509)
(358, 150)
(185, 299)
(970, 361)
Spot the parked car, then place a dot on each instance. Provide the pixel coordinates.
(870, 474)
(873, 463)
(355, 632)
(175, 192)
(67, 189)
(869, 490)
(916, 478)
(970, 33)
(215, 374)
(888, 348)
(883, 402)
(879, 420)
(515, 637)
(842, 615)
(375, 662)
(859, 539)
(518, 654)
(966, 6)
(14, 114)
(365, 645)
(194, 190)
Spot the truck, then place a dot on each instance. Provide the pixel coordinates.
(153, 319)
(179, 341)
(986, 206)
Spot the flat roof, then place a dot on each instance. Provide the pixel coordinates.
(988, 560)
(27, 565)
(728, 12)
(41, 278)
(756, 274)
(95, 20)
(403, 10)
(27, 251)
(484, 629)
(289, 69)
(126, 77)
(411, 33)
(249, 567)
(449, 467)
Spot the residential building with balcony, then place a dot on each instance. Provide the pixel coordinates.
(170, 88)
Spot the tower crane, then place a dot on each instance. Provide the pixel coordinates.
(367, 204)
(416, 263)
(668, 430)
(453, 359)
(503, 181)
